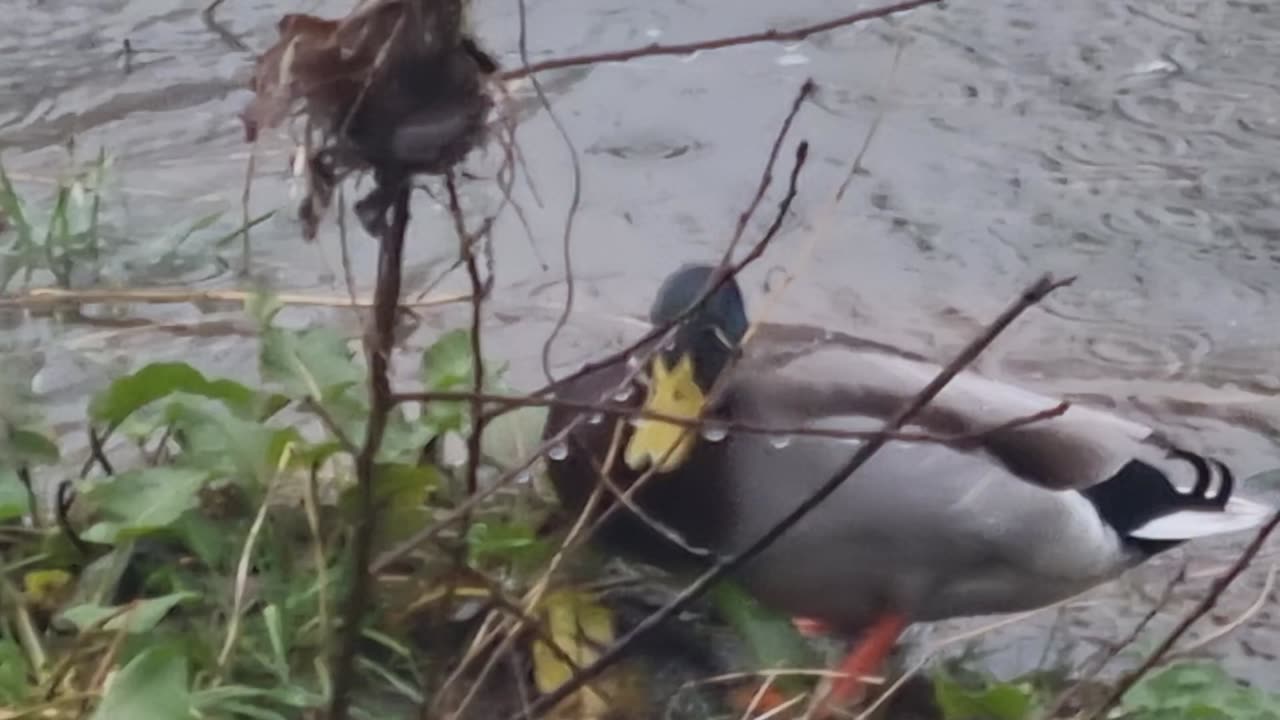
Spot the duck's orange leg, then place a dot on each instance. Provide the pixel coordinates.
(866, 658)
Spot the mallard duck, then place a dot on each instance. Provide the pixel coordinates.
(1013, 520)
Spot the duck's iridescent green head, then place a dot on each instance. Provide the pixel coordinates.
(711, 334)
(682, 373)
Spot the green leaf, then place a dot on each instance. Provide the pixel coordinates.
(271, 617)
(210, 541)
(14, 499)
(143, 501)
(489, 540)
(997, 701)
(772, 638)
(400, 490)
(142, 617)
(446, 365)
(221, 441)
(27, 447)
(262, 307)
(14, 684)
(153, 686)
(315, 363)
(130, 393)
(1197, 690)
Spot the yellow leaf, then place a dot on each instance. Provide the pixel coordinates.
(581, 628)
(46, 588)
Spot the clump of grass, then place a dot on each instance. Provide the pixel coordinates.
(73, 239)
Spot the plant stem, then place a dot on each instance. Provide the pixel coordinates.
(379, 342)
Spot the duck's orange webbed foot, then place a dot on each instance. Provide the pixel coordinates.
(865, 659)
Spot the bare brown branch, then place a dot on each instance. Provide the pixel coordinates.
(766, 178)
(508, 402)
(379, 342)
(772, 35)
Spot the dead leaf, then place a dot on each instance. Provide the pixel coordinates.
(581, 627)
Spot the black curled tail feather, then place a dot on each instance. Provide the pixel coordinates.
(1140, 492)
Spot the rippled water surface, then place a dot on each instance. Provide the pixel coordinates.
(1136, 144)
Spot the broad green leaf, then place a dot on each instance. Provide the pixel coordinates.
(220, 440)
(1198, 690)
(27, 447)
(139, 617)
(209, 540)
(14, 683)
(100, 578)
(130, 393)
(14, 499)
(402, 441)
(446, 365)
(772, 638)
(997, 701)
(315, 363)
(499, 540)
(400, 490)
(142, 501)
(153, 686)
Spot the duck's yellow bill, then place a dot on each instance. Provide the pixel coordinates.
(672, 392)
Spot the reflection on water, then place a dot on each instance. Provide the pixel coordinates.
(1135, 144)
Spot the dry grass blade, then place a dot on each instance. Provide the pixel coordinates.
(44, 297)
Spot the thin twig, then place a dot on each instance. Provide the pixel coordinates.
(1248, 614)
(575, 199)
(219, 29)
(1201, 609)
(766, 178)
(723, 277)
(246, 247)
(772, 35)
(1106, 656)
(962, 439)
(1033, 294)
(379, 343)
(33, 501)
(97, 453)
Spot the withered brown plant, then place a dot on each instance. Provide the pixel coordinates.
(396, 88)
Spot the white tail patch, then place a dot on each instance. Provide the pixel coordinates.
(1239, 514)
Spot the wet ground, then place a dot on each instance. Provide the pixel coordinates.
(1135, 144)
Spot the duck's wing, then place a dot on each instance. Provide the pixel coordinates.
(1145, 487)
(824, 380)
